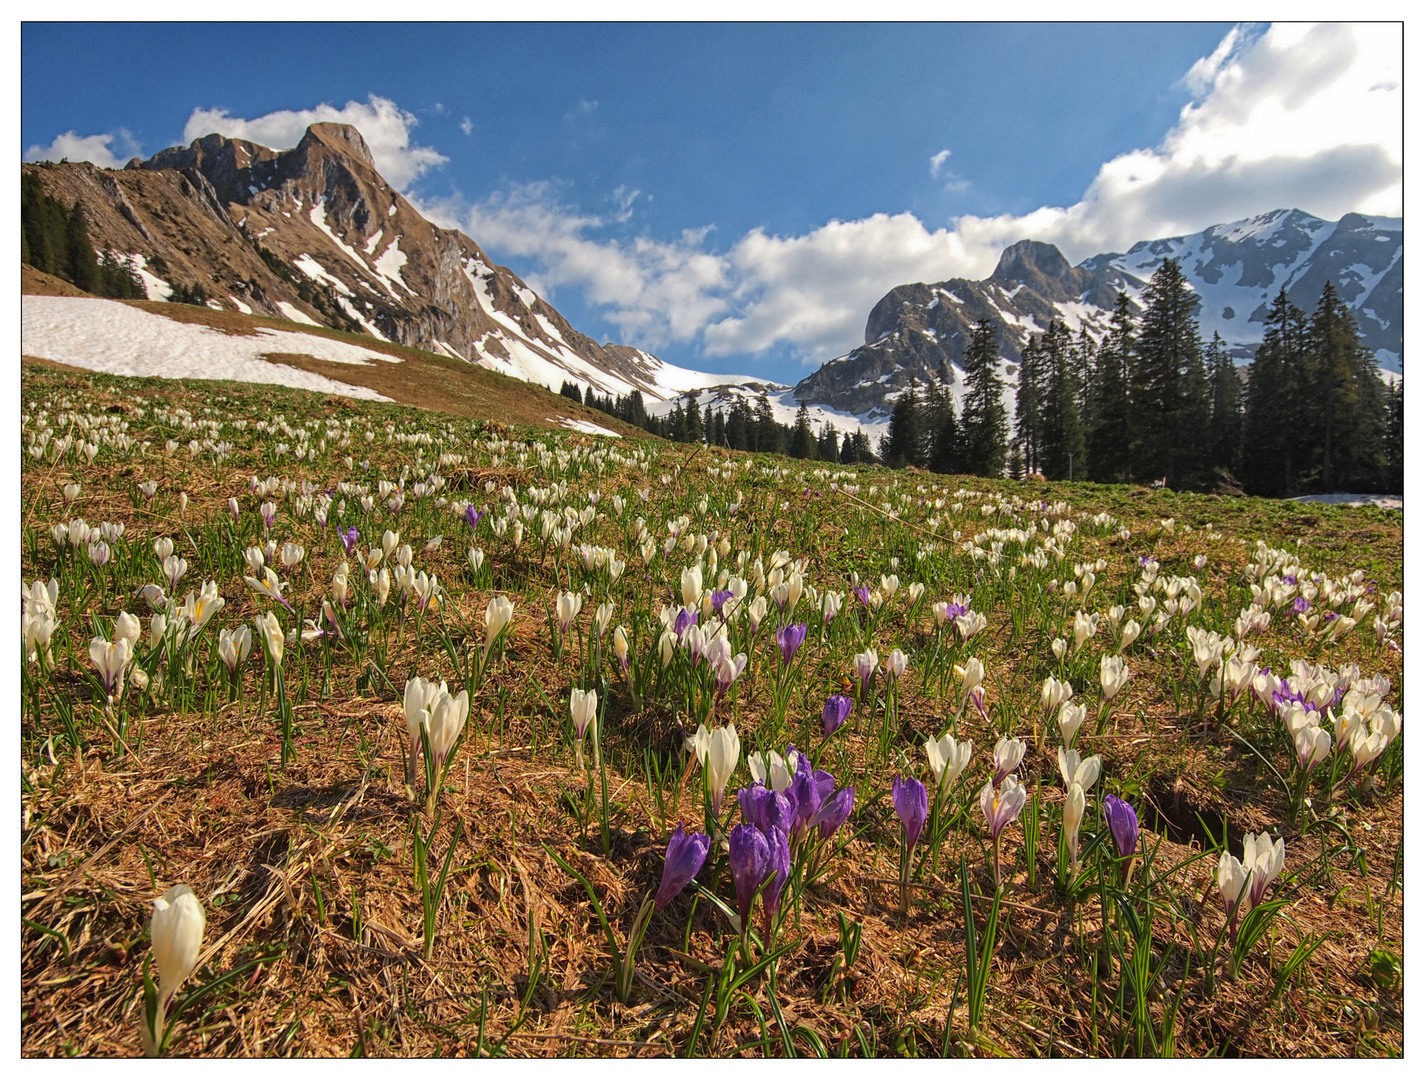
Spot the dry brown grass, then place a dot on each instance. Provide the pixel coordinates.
(203, 800)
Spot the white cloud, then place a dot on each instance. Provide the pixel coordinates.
(383, 124)
(92, 148)
(467, 126)
(652, 291)
(1292, 116)
(1306, 117)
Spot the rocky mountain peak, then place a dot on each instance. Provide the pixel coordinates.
(1030, 262)
(341, 139)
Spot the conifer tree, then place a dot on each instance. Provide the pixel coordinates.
(1063, 437)
(1272, 440)
(1225, 385)
(901, 445)
(1109, 434)
(948, 455)
(1348, 399)
(983, 423)
(803, 443)
(1167, 386)
(1028, 404)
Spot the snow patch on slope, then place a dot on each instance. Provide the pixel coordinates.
(103, 335)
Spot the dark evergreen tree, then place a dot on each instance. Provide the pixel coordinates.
(769, 432)
(1168, 387)
(738, 426)
(1273, 442)
(828, 445)
(902, 443)
(1393, 476)
(1225, 438)
(1028, 403)
(803, 442)
(1063, 436)
(983, 422)
(949, 453)
(1109, 433)
(1347, 400)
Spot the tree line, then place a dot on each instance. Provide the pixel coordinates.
(741, 425)
(55, 239)
(1151, 402)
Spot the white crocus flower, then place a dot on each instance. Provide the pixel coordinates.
(770, 769)
(1071, 717)
(176, 931)
(583, 708)
(1112, 675)
(1009, 753)
(569, 604)
(948, 758)
(1074, 770)
(724, 749)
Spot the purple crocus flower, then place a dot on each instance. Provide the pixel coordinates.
(1301, 605)
(765, 808)
(472, 516)
(789, 640)
(780, 866)
(863, 593)
(1289, 579)
(683, 622)
(1122, 823)
(809, 791)
(954, 610)
(912, 807)
(749, 856)
(834, 811)
(686, 854)
(348, 539)
(835, 712)
(720, 597)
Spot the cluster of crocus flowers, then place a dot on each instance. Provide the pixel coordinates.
(434, 720)
(176, 931)
(1243, 884)
(39, 617)
(1079, 775)
(786, 803)
(718, 751)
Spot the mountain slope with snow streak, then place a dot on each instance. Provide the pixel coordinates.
(314, 234)
(916, 332)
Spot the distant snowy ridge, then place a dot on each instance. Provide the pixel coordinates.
(916, 332)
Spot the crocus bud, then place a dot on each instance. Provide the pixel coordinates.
(912, 806)
(749, 857)
(1122, 823)
(1008, 754)
(948, 758)
(177, 934)
(834, 713)
(685, 857)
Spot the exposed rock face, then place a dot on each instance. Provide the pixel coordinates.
(918, 331)
(315, 233)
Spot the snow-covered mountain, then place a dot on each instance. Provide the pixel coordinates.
(315, 235)
(1237, 269)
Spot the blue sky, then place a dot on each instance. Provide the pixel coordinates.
(736, 197)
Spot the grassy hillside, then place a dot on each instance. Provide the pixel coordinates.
(280, 794)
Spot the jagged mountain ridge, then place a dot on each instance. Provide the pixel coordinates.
(344, 249)
(1237, 269)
